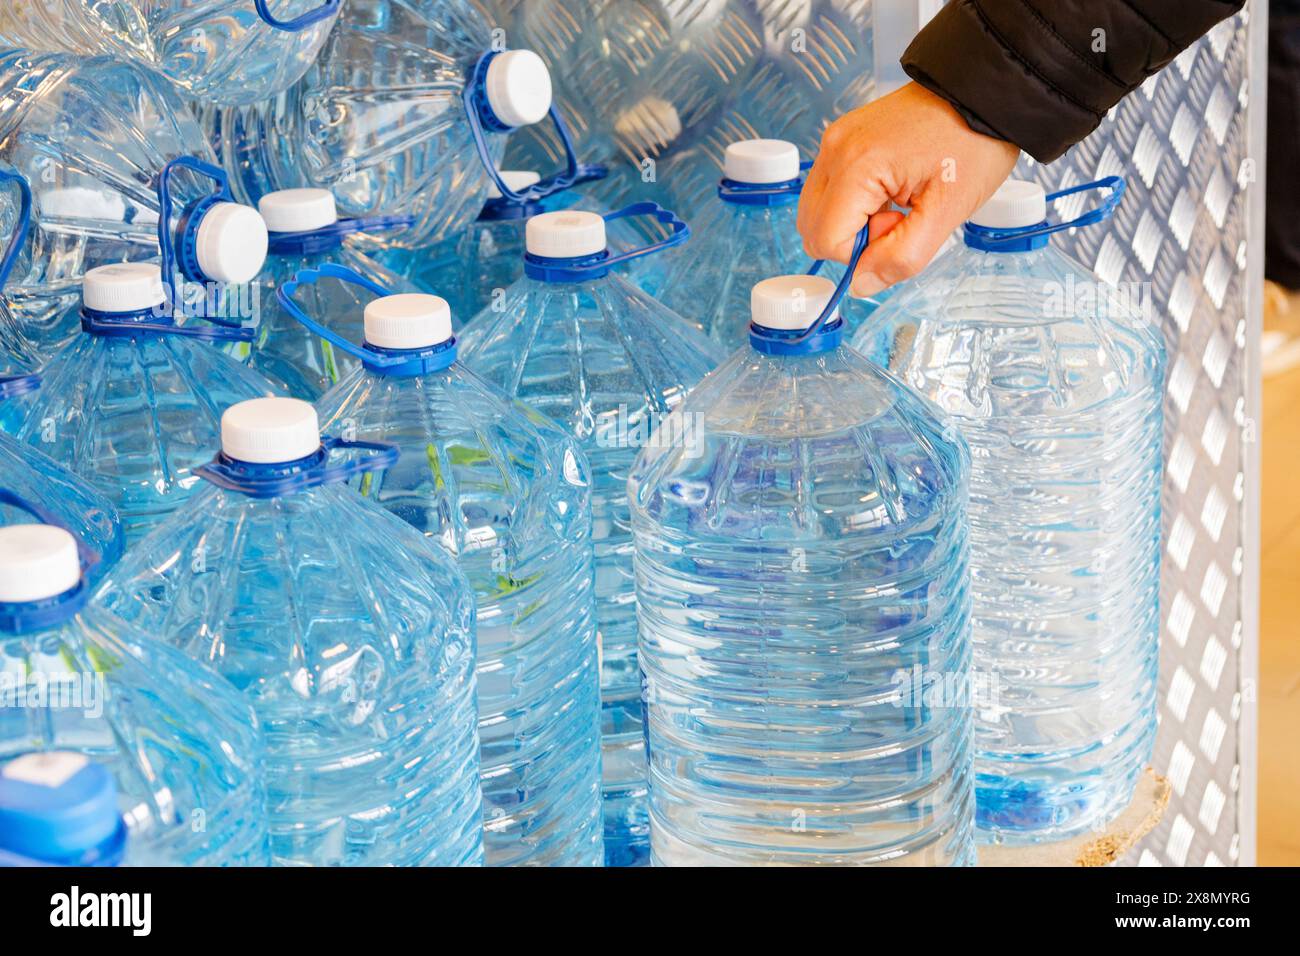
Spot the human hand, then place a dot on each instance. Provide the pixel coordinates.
(911, 148)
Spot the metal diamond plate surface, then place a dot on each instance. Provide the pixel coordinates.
(672, 82)
(1183, 142)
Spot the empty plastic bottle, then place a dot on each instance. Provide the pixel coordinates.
(119, 171)
(180, 744)
(221, 51)
(306, 231)
(132, 405)
(508, 494)
(402, 114)
(586, 348)
(1056, 380)
(352, 637)
(64, 499)
(747, 235)
(801, 574)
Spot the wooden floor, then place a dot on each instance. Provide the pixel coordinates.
(1279, 692)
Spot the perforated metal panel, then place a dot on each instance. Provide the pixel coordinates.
(1190, 144)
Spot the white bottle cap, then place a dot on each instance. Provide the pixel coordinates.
(790, 302)
(565, 234)
(83, 202)
(761, 161)
(123, 287)
(265, 431)
(650, 120)
(231, 243)
(45, 768)
(515, 180)
(1016, 204)
(298, 210)
(37, 561)
(410, 320)
(518, 86)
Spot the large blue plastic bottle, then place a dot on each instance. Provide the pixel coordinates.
(352, 637)
(132, 405)
(180, 744)
(1056, 379)
(119, 172)
(306, 232)
(506, 492)
(63, 498)
(802, 592)
(583, 346)
(402, 114)
(221, 51)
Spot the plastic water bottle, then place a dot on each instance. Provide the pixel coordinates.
(586, 348)
(179, 743)
(118, 171)
(306, 231)
(802, 591)
(474, 268)
(657, 71)
(746, 235)
(1056, 380)
(223, 51)
(402, 114)
(665, 84)
(467, 269)
(352, 637)
(65, 500)
(132, 405)
(508, 494)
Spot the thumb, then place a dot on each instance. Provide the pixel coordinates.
(904, 246)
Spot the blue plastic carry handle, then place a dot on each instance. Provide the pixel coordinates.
(326, 10)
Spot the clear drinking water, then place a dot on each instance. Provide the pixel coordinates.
(352, 637)
(473, 269)
(221, 51)
(801, 575)
(92, 138)
(467, 268)
(66, 500)
(506, 492)
(747, 234)
(180, 744)
(584, 347)
(391, 115)
(132, 405)
(1056, 381)
(306, 232)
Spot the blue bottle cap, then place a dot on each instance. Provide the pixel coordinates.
(58, 807)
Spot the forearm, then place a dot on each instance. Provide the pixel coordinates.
(1042, 73)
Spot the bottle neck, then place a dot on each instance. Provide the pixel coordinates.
(790, 342)
(47, 614)
(567, 269)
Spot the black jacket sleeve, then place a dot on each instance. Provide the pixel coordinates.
(1042, 73)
